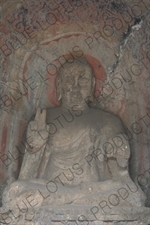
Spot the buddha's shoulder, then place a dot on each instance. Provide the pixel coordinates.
(105, 118)
(91, 116)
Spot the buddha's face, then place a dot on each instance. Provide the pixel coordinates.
(76, 84)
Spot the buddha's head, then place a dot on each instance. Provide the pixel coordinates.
(75, 83)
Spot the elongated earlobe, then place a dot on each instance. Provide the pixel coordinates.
(93, 83)
(59, 97)
(93, 86)
(58, 89)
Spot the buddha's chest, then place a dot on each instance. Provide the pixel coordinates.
(66, 134)
(69, 149)
(69, 137)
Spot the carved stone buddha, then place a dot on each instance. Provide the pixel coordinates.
(75, 154)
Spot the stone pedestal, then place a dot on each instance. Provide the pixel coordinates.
(75, 215)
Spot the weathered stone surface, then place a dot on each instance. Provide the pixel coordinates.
(36, 39)
(48, 153)
(77, 215)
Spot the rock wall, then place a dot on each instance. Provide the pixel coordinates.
(39, 36)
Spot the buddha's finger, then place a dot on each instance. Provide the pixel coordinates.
(33, 126)
(38, 113)
(42, 120)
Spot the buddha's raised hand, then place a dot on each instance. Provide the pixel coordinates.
(37, 132)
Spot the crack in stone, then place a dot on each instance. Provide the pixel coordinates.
(126, 36)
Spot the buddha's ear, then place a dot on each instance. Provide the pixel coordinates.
(93, 83)
(93, 86)
(58, 88)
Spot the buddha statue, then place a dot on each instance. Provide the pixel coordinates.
(75, 154)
